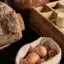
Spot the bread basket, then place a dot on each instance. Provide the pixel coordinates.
(42, 40)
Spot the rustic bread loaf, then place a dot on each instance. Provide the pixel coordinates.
(11, 26)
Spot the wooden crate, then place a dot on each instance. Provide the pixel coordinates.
(43, 19)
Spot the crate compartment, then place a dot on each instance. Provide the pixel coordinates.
(53, 19)
(47, 14)
(51, 16)
(44, 8)
(55, 5)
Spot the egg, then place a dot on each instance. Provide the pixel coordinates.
(41, 61)
(41, 50)
(23, 61)
(32, 58)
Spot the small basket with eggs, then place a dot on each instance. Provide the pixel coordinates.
(42, 51)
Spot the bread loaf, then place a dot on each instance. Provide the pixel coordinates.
(10, 25)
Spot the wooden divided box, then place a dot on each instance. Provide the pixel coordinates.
(43, 20)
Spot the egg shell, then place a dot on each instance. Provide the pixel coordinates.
(41, 50)
(23, 61)
(32, 58)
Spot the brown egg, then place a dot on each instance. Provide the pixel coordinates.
(23, 61)
(41, 61)
(32, 58)
(41, 50)
(52, 53)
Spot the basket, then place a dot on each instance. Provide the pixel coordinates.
(41, 41)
